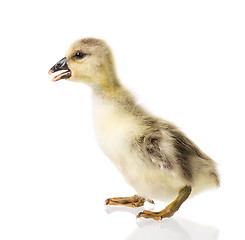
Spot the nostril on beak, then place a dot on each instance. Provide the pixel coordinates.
(58, 66)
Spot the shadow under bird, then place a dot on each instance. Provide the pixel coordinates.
(153, 155)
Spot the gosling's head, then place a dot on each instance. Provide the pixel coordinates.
(88, 60)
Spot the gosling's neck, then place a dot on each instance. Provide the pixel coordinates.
(117, 95)
(108, 88)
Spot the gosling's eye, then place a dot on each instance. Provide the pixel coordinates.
(79, 55)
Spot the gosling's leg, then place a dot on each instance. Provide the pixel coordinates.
(134, 201)
(170, 209)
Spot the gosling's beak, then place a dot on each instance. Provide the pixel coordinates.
(61, 65)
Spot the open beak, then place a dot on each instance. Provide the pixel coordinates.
(61, 65)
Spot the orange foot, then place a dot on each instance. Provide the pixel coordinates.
(134, 201)
(170, 209)
(165, 213)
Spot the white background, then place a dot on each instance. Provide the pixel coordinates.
(184, 60)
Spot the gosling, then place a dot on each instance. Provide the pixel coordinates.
(153, 155)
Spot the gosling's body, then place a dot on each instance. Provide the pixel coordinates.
(156, 158)
(121, 128)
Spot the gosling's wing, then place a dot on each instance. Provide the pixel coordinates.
(159, 148)
(170, 150)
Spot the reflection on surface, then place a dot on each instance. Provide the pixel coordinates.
(135, 211)
(173, 228)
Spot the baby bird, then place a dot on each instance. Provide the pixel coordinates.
(153, 155)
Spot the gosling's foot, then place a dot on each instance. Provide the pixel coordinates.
(170, 209)
(134, 201)
(165, 213)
